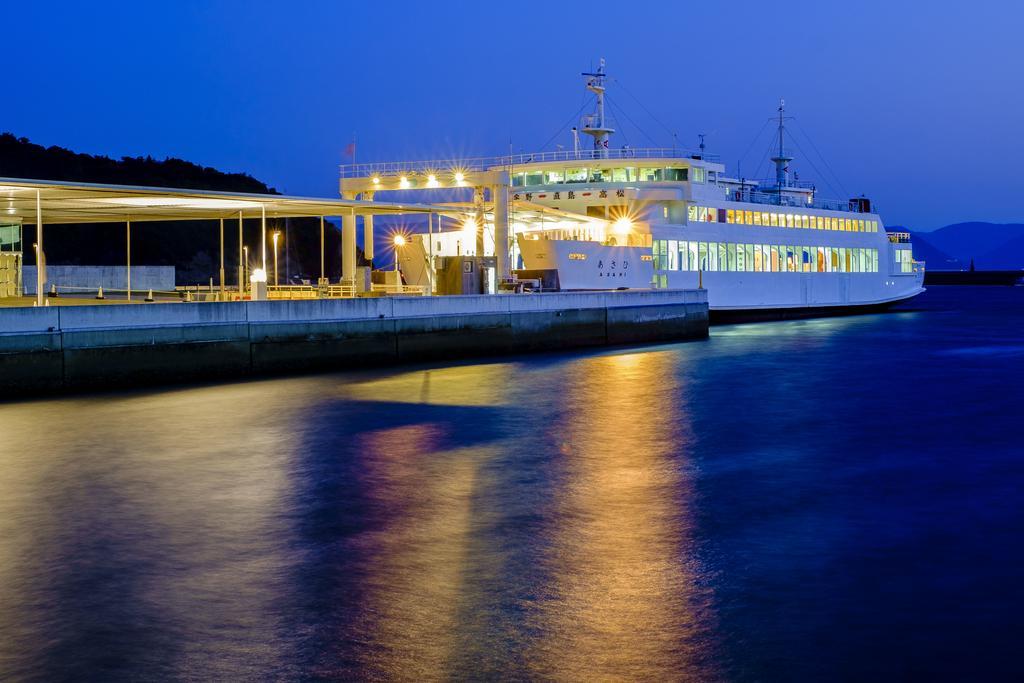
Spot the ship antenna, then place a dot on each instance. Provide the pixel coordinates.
(595, 124)
(781, 160)
(701, 136)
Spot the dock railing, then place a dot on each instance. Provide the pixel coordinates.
(409, 290)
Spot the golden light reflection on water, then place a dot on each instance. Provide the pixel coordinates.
(468, 385)
(481, 521)
(409, 620)
(623, 601)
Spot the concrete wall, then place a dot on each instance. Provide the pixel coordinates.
(159, 278)
(106, 346)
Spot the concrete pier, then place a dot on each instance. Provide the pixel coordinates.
(58, 348)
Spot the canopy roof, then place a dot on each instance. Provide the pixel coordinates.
(64, 202)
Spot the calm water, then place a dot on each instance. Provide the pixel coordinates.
(837, 498)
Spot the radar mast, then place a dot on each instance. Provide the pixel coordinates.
(595, 124)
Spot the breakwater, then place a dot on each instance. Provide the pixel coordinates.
(59, 348)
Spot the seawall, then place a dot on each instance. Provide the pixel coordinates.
(60, 348)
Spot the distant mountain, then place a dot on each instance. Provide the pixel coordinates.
(1007, 256)
(992, 246)
(20, 158)
(934, 258)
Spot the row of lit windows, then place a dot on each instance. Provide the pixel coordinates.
(762, 258)
(708, 214)
(629, 174)
(704, 214)
(904, 260)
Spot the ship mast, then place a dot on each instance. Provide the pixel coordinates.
(595, 124)
(781, 160)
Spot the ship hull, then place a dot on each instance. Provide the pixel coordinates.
(726, 316)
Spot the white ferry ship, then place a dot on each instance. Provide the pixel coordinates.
(613, 218)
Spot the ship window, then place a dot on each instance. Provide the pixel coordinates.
(702, 256)
(619, 175)
(673, 255)
(576, 175)
(691, 213)
(730, 255)
(650, 174)
(699, 175)
(536, 178)
(554, 177)
(692, 261)
(730, 216)
(517, 179)
(599, 175)
(748, 217)
(723, 256)
(757, 218)
(675, 174)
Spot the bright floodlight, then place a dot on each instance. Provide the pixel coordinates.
(459, 177)
(622, 226)
(258, 275)
(376, 180)
(403, 182)
(399, 240)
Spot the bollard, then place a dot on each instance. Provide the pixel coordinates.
(188, 296)
(99, 294)
(149, 297)
(53, 290)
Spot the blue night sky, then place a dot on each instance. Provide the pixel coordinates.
(916, 105)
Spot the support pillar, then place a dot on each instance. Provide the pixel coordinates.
(430, 253)
(478, 201)
(222, 259)
(241, 259)
(368, 230)
(128, 251)
(348, 244)
(499, 193)
(323, 273)
(263, 238)
(40, 257)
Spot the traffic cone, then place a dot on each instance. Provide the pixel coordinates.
(99, 294)
(149, 297)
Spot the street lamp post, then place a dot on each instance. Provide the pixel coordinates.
(245, 268)
(276, 236)
(399, 241)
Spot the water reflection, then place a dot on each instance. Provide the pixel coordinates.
(623, 599)
(557, 517)
(121, 527)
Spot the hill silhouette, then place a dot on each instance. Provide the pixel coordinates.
(992, 246)
(192, 247)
